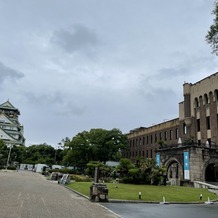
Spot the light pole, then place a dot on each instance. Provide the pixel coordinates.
(9, 154)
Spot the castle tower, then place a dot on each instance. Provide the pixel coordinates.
(11, 131)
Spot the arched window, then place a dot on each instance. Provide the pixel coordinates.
(200, 101)
(210, 97)
(216, 95)
(205, 98)
(196, 102)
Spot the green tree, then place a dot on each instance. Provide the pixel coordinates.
(41, 153)
(124, 166)
(94, 145)
(212, 35)
(3, 153)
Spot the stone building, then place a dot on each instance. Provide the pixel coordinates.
(192, 136)
(11, 131)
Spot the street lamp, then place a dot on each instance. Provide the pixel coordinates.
(9, 154)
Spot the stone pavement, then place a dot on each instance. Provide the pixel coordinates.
(26, 194)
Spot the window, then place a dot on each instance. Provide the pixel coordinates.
(198, 125)
(216, 95)
(184, 128)
(151, 139)
(208, 122)
(151, 153)
(155, 136)
(205, 99)
(165, 135)
(160, 136)
(171, 134)
(177, 133)
(196, 102)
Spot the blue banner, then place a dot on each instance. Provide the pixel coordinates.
(158, 159)
(186, 165)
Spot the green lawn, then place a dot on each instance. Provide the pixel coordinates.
(149, 193)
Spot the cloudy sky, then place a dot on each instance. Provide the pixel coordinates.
(73, 65)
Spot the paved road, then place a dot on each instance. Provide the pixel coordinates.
(29, 195)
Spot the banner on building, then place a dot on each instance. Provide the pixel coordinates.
(186, 165)
(158, 159)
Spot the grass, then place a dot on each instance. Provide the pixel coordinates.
(149, 193)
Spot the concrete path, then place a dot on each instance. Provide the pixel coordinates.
(29, 195)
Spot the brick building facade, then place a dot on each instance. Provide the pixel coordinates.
(197, 122)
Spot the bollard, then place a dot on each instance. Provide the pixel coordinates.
(200, 196)
(140, 195)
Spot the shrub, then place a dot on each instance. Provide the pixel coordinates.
(11, 168)
(80, 178)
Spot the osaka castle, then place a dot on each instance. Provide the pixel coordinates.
(11, 131)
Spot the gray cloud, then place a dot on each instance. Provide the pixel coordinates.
(77, 38)
(59, 101)
(122, 66)
(9, 73)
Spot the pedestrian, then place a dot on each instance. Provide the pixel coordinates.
(200, 196)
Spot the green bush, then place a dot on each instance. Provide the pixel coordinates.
(64, 171)
(11, 168)
(80, 178)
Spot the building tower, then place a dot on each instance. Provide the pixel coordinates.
(11, 131)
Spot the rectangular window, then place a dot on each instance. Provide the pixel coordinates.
(177, 133)
(147, 139)
(208, 122)
(165, 135)
(198, 125)
(155, 138)
(171, 134)
(151, 139)
(151, 153)
(147, 153)
(160, 136)
(184, 128)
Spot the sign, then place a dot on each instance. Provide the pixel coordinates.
(64, 179)
(158, 159)
(186, 165)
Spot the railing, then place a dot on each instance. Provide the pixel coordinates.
(198, 184)
(212, 146)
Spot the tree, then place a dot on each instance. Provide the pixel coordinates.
(212, 35)
(3, 153)
(124, 166)
(41, 153)
(94, 145)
